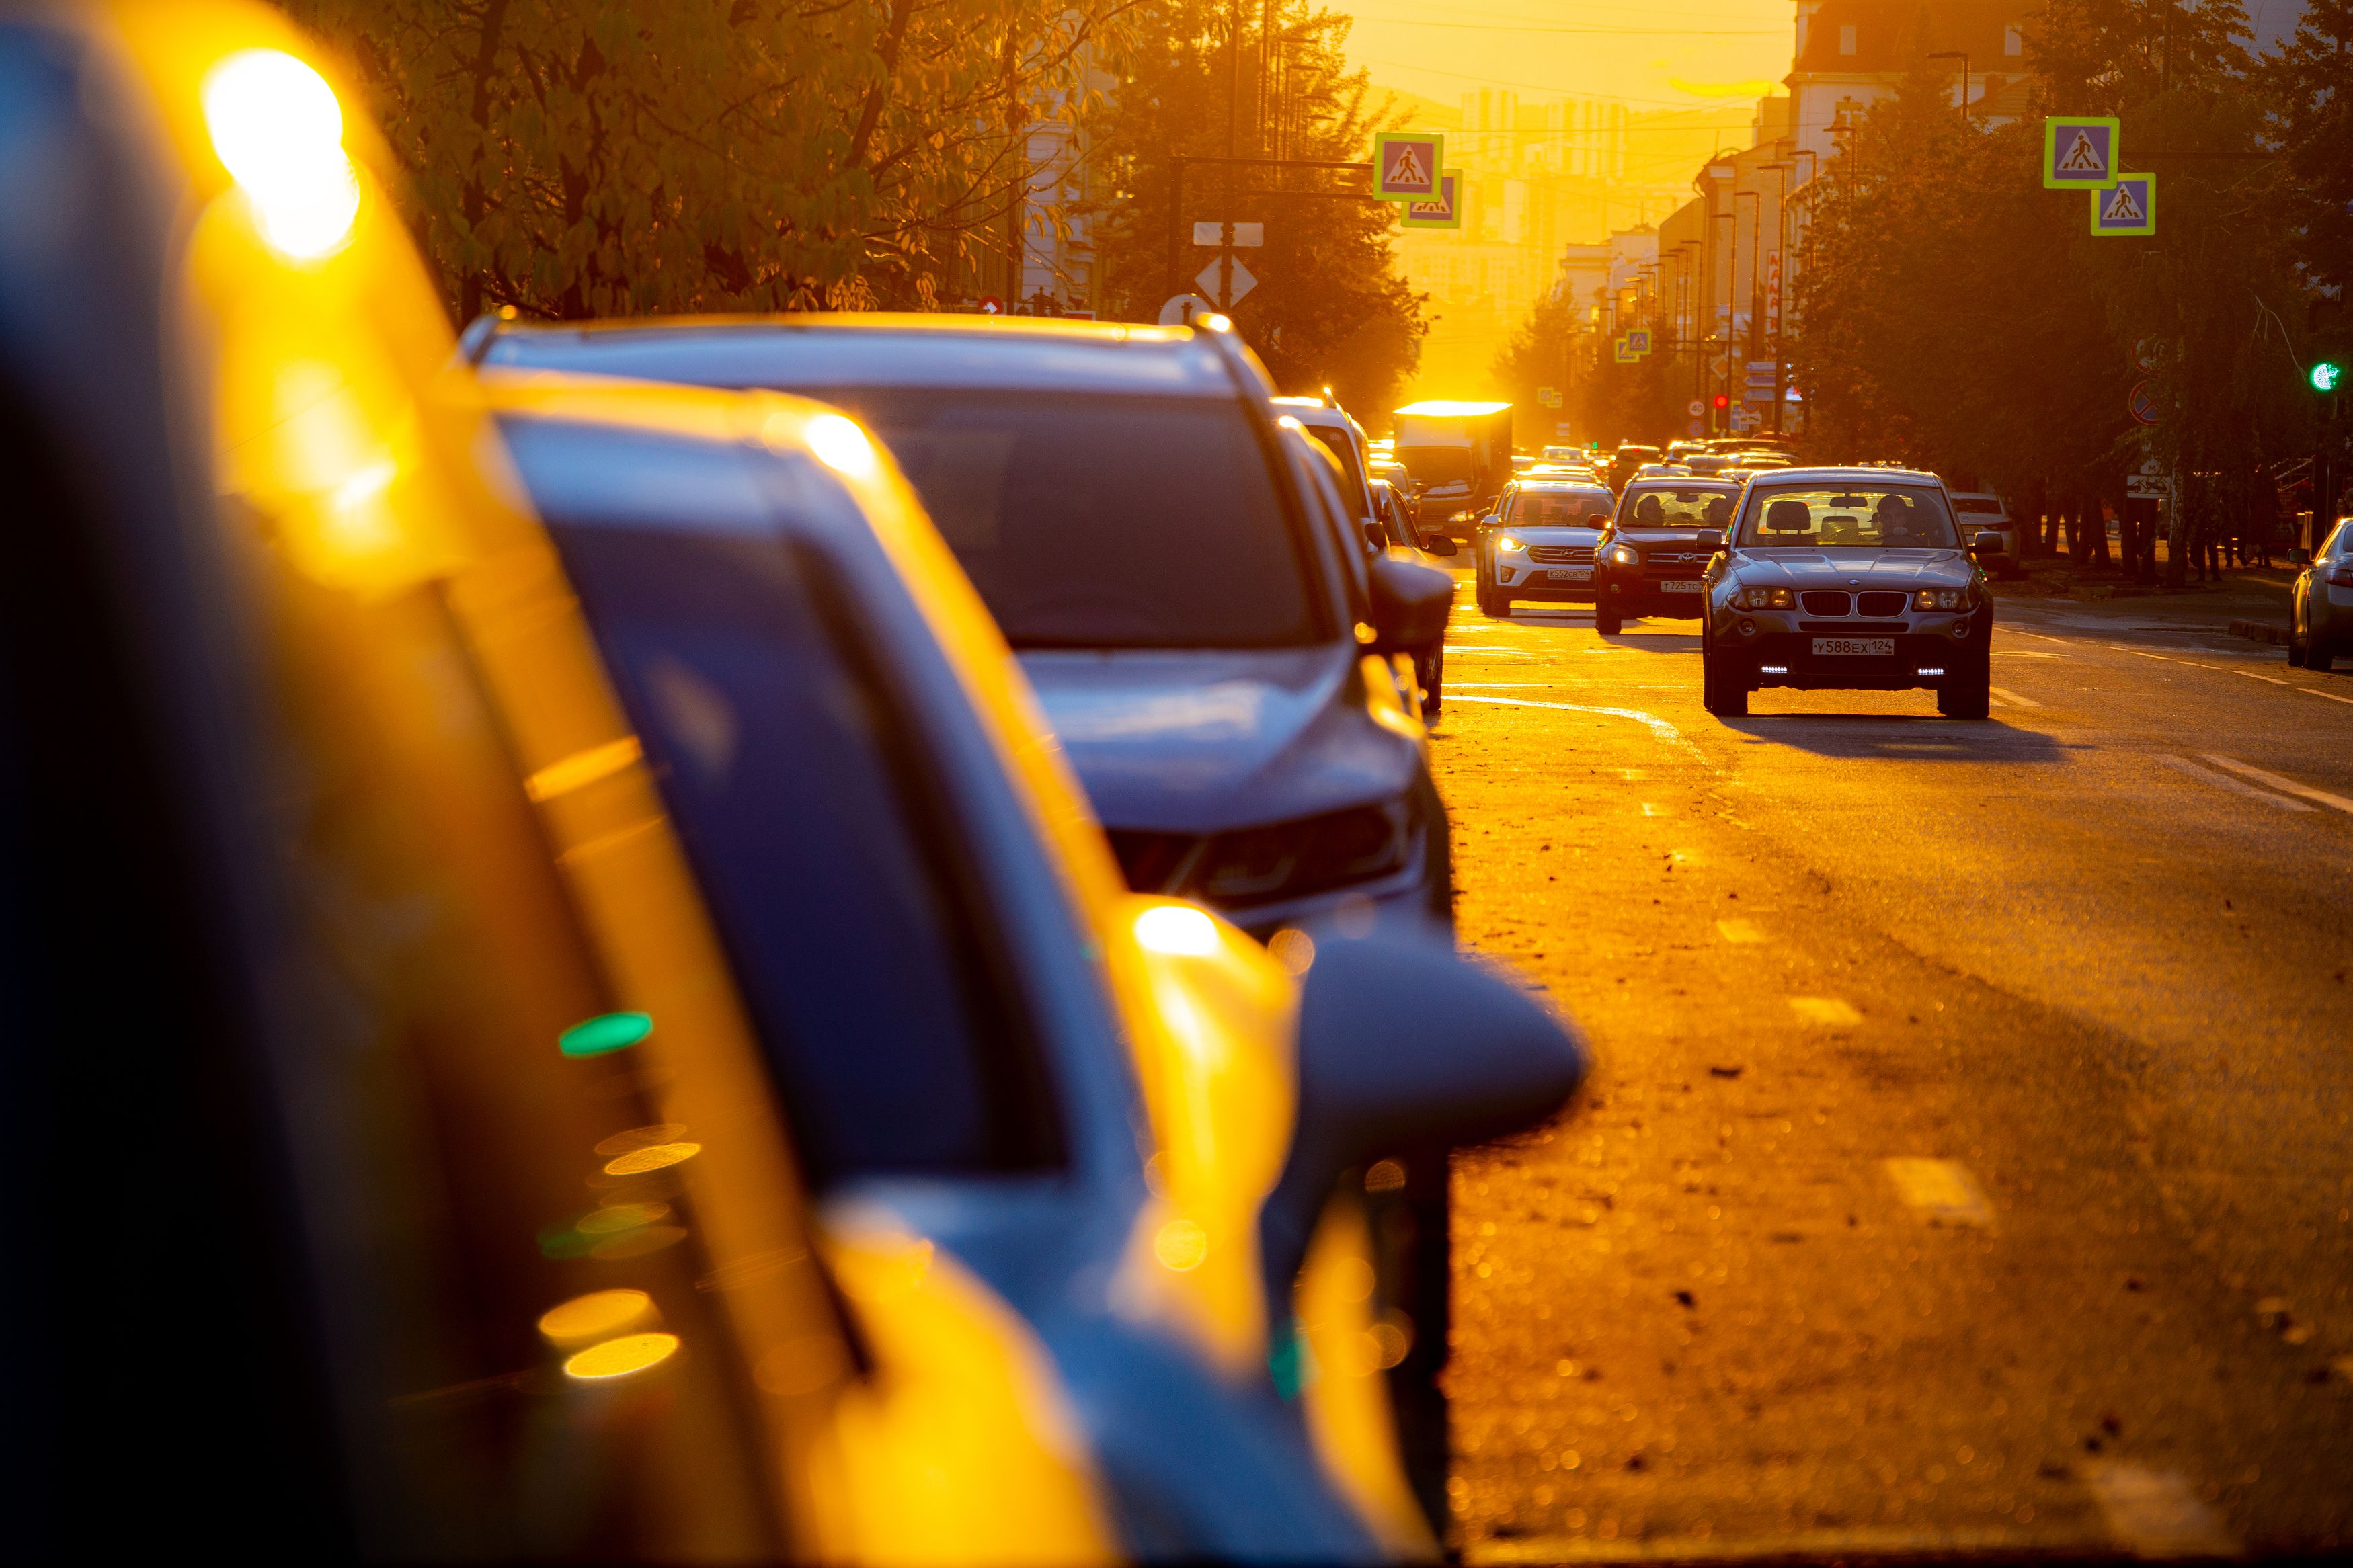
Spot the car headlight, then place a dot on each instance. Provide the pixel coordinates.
(1312, 855)
(1765, 599)
(1941, 599)
(1507, 543)
(1626, 555)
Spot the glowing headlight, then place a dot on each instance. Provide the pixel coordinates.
(1941, 599)
(1507, 543)
(1765, 599)
(1626, 555)
(279, 132)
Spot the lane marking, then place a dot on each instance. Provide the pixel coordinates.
(2156, 1513)
(2236, 787)
(2330, 695)
(2250, 674)
(1804, 1546)
(2249, 770)
(1942, 1191)
(1825, 1010)
(2012, 697)
(1742, 931)
(2025, 653)
(1651, 810)
(1659, 729)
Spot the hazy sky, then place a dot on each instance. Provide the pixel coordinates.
(1675, 54)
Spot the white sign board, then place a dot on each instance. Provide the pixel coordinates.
(1181, 310)
(1214, 234)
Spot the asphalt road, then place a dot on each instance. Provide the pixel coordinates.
(1968, 1164)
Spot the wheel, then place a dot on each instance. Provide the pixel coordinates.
(1971, 698)
(1719, 694)
(2295, 649)
(1433, 683)
(1605, 619)
(2318, 656)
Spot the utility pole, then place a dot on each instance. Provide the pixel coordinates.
(1962, 56)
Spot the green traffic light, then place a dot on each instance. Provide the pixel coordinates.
(2325, 375)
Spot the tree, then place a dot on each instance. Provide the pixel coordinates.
(1329, 309)
(571, 158)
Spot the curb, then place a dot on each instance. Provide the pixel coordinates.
(2259, 631)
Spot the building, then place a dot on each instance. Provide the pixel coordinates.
(1852, 54)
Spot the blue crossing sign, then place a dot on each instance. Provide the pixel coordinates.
(2080, 151)
(1407, 165)
(2128, 206)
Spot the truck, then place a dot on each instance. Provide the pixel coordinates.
(1460, 457)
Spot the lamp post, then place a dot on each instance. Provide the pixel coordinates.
(1755, 242)
(1724, 336)
(1781, 257)
(1962, 56)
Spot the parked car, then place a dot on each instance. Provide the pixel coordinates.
(1986, 521)
(1121, 499)
(2320, 611)
(1650, 559)
(1538, 544)
(1852, 579)
(532, 1218)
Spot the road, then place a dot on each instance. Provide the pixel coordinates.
(1969, 1162)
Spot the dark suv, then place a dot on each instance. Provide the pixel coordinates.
(1659, 541)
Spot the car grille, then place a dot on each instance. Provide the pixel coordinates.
(1822, 604)
(1882, 604)
(1559, 554)
(1658, 558)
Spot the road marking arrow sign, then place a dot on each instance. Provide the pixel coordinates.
(2080, 152)
(1407, 164)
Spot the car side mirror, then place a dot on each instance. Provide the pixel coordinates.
(1410, 604)
(1710, 539)
(1402, 1044)
(1438, 544)
(1491, 521)
(2299, 556)
(1375, 537)
(1985, 544)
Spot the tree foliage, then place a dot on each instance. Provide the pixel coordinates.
(585, 157)
(1329, 309)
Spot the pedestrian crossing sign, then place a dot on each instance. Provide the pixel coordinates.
(2080, 152)
(2128, 206)
(1443, 210)
(1407, 165)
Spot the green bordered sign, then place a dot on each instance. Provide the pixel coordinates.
(1625, 351)
(1443, 210)
(2080, 151)
(1406, 167)
(2128, 206)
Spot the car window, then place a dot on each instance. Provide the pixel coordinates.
(797, 787)
(1344, 450)
(1676, 506)
(1866, 517)
(1968, 505)
(1105, 521)
(1557, 509)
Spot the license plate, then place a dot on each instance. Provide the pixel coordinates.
(1681, 585)
(1571, 574)
(1856, 647)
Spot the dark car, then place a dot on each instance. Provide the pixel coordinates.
(1851, 579)
(1628, 462)
(1211, 654)
(1650, 559)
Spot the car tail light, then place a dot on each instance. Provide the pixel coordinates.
(2339, 574)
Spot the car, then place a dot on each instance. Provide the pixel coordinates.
(1216, 666)
(1538, 544)
(1845, 578)
(1628, 460)
(527, 1234)
(1564, 454)
(2320, 610)
(1985, 518)
(1650, 559)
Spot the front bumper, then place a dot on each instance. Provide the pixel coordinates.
(1930, 656)
(1647, 595)
(1526, 579)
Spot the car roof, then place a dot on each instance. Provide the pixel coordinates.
(877, 349)
(1547, 482)
(1856, 474)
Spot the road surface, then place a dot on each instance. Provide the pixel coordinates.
(1967, 1164)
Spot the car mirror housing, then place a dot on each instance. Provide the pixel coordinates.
(1403, 1045)
(1375, 537)
(1710, 539)
(1985, 544)
(2299, 557)
(1438, 544)
(1410, 604)
(1491, 521)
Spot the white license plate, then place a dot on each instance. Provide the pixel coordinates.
(1856, 647)
(1571, 574)
(1681, 585)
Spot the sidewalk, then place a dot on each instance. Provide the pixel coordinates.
(2255, 593)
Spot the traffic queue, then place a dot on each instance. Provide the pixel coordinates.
(572, 998)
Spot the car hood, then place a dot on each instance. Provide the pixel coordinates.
(1854, 568)
(1642, 536)
(1200, 742)
(1551, 534)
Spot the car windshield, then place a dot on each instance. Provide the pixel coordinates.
(1113, 522)
(805, 806)
(1557, 509)
(1676, 506)
(1846, 517)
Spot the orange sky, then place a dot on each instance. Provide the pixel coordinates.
(1677, 54)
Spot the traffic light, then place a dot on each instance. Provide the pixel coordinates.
(2327, 375)
(1724, 400)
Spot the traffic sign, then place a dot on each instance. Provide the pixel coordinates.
(1694, 427)
(1443, 210)
(2142, 404)
(2080, 152)
(1407, 164)
(2128, 206)
(1639, 339)
(1213, 235)
(2149, 486)
(1227, 291)
(1625, 350)
(1183, 310)
(1720, 365)
(1695, 408)
(1549, 396)
(991, 305)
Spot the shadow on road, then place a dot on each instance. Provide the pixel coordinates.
(1901, 737)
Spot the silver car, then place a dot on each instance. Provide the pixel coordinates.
(2321, 615)
(1845, 579)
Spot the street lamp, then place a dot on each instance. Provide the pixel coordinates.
(1962, 56)
(1781, 257)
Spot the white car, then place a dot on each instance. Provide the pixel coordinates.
(1982, 513)
(1538, 542)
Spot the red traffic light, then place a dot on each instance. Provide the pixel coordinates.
(1724, 400)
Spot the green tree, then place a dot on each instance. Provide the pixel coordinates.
(1329, 309)
(571, 158)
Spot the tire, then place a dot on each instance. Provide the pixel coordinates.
(1723, 697)
(2318, 656)
(1433, 689)
(2297, 652)
(1605, 619)
(1971, 698)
